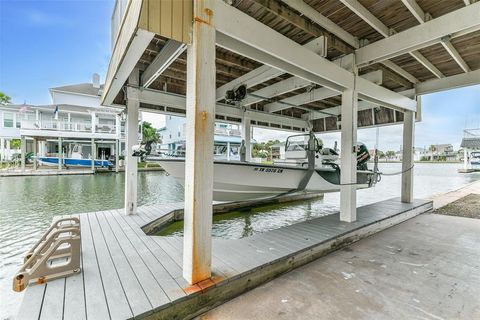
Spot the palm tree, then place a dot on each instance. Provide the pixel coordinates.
(4, 99)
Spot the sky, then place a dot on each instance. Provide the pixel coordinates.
(45, 44)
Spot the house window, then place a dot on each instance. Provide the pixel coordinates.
(8, 120)
(18, 122)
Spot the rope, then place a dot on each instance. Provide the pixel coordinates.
(397, 173)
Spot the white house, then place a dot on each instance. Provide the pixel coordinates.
(75, 117)
(226, 145)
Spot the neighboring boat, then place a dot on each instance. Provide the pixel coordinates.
(475, 158)
(239, 181)
(75, 159)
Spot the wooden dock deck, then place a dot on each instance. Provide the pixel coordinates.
(127, 274)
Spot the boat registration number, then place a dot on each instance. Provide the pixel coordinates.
(269, 170)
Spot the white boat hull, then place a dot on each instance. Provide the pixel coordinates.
(239, 181)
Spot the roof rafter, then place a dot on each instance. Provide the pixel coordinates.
(456, 23)
(381, 28)
(419, 14)
(332, 27)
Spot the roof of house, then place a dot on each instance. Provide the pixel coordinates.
(81, 88)
(471, 143)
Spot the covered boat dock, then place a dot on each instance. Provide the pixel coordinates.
(318, 66)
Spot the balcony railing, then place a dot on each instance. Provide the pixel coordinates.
(68, 126)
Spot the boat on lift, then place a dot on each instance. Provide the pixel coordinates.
(74, 159)
(308, 168)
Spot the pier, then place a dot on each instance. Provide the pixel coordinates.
(127, 273)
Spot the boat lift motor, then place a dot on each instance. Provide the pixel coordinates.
(362, 156)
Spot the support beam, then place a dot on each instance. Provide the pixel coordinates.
(420, 15)
(427, 64)
(392, 66)
(131, 140)
(415, 9)
(174, 104)
(35, 153)
(169, 53)
(301, 62)
(457, 81)
(455, 24)
(316, 95)
(322, 21)
(265, 73)
(454, 54)
(23, 151)
(117, 155)
(407, 159)
(367, 16)
(348, 164)
(332, 27)
(60, 154)
(246, 133)
(197, 245)
(94, 154)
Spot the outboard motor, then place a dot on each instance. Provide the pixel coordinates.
(362, 156)
(142, 150)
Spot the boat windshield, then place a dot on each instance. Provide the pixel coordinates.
(300, 143)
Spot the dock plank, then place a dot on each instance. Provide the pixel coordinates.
(152, 289)
(115, 293)
(74, 304)
(134, 292)
(32, 302)
(52, 307)
(95, 300)
(163, 278)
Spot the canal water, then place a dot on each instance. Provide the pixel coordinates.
(28, 204)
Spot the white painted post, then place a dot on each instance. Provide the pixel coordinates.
(7, 153)
(23, 149)
(247, 137)
(131, 140)
(465, 158)
(60, 154)
(117, 155)
(228, 151)
(35, 154)
(2, 150)
(200, 114)
(348, 173)
(407, 162)
(93, 121)
(94, 153)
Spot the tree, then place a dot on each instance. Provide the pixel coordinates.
(15, 143)
(150, 133)
(4, 99)
(390, 154)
